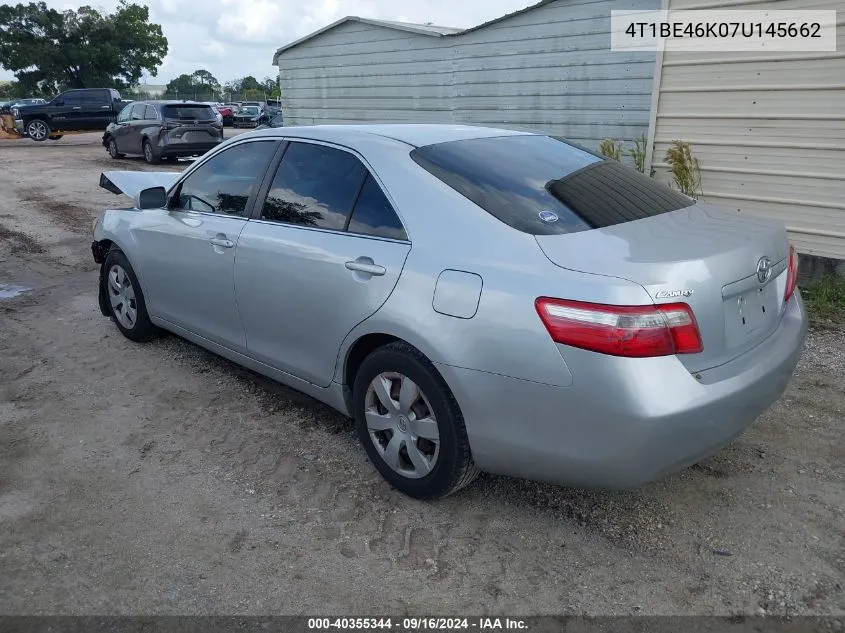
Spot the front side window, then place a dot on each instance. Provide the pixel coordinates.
(225, 182)
(314, 186)
(125, 114)
(374, 215)
(150, 113)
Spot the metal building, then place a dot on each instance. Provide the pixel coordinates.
(547, 67)
(767, 128)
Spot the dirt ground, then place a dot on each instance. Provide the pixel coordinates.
(159, 479)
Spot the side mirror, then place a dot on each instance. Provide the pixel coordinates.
(152, 198)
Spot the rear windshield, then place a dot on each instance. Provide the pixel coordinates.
(546, 186)
(188, 112)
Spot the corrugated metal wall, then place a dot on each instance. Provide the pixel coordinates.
(768, 129)
(549, 68)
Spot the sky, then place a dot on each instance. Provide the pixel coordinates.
(234, 38)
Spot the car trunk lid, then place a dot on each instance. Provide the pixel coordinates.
(730, 269)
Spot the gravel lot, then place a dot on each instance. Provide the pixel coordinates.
(161, 479)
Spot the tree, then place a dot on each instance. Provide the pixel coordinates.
(182, 85)
(10, 90)
(271, 87)
(199, 82)
(49, 50)
(206, 81)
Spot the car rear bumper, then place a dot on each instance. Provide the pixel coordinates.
(623, 422)
(187, 149)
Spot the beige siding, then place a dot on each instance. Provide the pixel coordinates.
(768, 129)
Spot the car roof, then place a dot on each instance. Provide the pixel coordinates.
(172, 102)
(415, 134)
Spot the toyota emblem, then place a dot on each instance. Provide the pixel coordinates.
(764, 270)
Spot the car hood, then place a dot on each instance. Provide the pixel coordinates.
(131, 183)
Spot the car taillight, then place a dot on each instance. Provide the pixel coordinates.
(791, 274)
(633, 331)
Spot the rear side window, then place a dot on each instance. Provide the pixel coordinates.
(96, 97)
(527, 182)
(314, 186)
(188, 112)
(373, 214)
(150, 113)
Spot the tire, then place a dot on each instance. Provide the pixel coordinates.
(125, 297)
(38, 130)
(423, 467)
(149, 154)
(113, 149)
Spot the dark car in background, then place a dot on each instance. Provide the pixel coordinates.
(247, 116)
(78, 110)
(268, 122)
(163, 129)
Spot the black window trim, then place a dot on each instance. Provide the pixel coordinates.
(176, 188)
(258, 203)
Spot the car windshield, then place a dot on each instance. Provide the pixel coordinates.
(187, 112)
(546, 186)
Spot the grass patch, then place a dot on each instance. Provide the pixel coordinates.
(825, 298)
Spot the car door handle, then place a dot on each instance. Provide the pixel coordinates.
(105, 107)
(217, 241)
(362, 267)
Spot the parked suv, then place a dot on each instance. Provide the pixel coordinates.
(72, 111)
(163, 129)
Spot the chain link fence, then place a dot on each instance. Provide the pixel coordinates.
(225, 97)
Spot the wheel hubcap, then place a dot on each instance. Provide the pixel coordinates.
(113, 148)
(37, 130)
(402, 425)
(148, 152)
(122, 297)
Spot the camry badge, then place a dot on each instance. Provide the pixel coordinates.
(668, 294)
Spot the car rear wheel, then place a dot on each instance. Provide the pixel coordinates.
(126, 299)
(149, 154)
(38, 130)
(113, 149)
(410, 423)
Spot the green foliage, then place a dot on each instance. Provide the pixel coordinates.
(825, 298)
(637, 153)
(684, 168)
(611, 148)
(271, 87)
(49, 50)
(200, 82)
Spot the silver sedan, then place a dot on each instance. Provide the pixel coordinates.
(476, 299)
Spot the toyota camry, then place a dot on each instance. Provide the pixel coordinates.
(476, 299)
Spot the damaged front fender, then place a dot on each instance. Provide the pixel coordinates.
(131, 183)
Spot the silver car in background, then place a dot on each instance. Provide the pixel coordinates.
(476, 299)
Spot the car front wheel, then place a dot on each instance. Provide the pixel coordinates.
(125, 297)
(113, 149)
(410, 424)
(38, 130)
